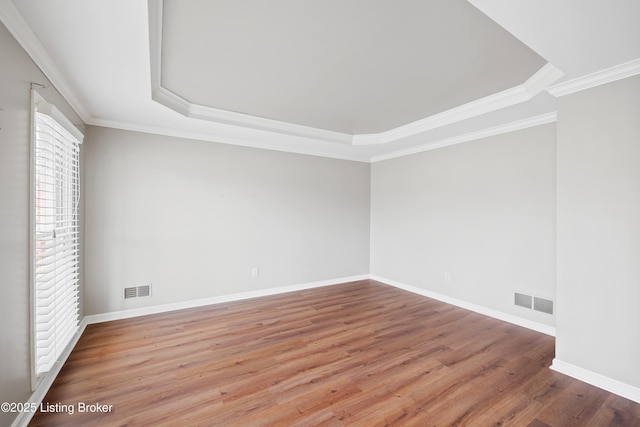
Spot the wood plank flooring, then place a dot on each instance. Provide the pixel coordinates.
(357, 354)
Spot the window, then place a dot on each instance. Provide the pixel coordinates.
(55, 234)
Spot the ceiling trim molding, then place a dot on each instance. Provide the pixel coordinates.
(270, 145)
(544, 77)
(21, 31)
(177, 103)
(471, 136)
(475, 108)
(245, 120)
(598, 78)
(526, 91)
(221, 139)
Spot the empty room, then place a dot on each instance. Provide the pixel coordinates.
(320, 213)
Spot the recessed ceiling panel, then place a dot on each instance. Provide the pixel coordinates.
(350, 66)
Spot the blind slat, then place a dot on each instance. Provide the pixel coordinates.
(56, 233)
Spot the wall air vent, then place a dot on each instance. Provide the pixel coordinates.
(137, 291)
(523, 300)
(543, 305)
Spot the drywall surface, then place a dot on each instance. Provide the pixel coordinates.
(17, 71)
(473, 221)
(194, 218)
(599, 230)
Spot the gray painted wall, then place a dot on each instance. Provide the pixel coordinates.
(194, 218)
(484, 212)
(17, 71)
(598, 323)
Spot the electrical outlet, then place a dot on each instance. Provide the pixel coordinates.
(255, 272)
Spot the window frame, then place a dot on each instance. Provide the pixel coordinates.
(61, 126)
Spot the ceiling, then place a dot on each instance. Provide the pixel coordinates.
(355, 79)
(354, 67)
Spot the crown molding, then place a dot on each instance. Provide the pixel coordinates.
(598, 78)
(544, 77)
(177, 103)
(21, 31)
(260, 123)
(158, 93)
(526, 91)
(15, 22)
(471, 136)
(155, 41)
(274, 143)
(475, 108)
(271, 145)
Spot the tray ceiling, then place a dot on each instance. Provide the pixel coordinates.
(362, 80)
(354, 66)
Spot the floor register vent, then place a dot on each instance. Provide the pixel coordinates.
(543, 305)
(137, 291)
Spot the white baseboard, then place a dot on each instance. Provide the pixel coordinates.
(605, 383)
(529, 324)
(23, 418)
(614, 386)
(163, 308)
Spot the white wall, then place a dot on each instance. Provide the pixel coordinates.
(598, 322)
(17, 71)
(483, 211)
(195, 217)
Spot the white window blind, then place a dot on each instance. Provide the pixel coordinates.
(56, 196)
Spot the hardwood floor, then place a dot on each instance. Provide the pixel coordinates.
(358, 354)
